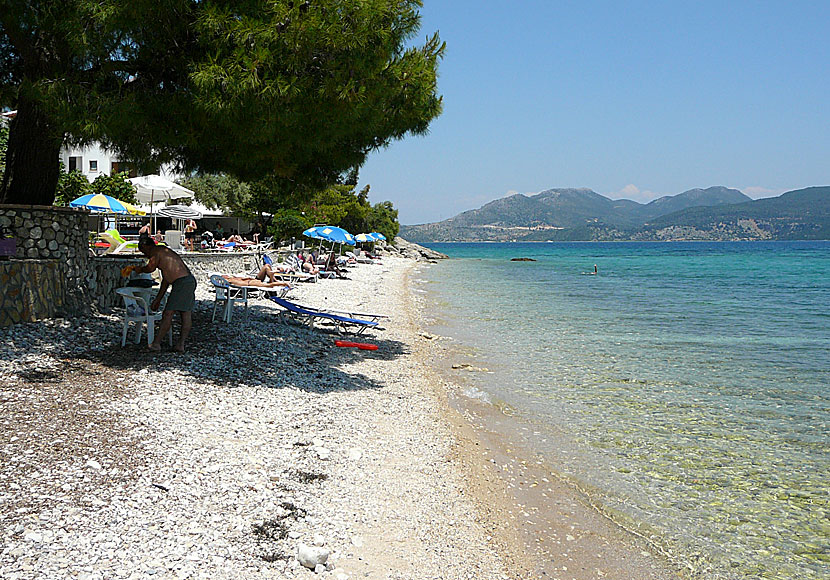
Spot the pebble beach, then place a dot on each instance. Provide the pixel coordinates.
(264, 451)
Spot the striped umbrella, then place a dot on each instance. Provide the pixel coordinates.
(377, 236)
(98, 202)
(364, 238)
(133, 209)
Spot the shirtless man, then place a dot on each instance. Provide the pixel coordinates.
(183, 295)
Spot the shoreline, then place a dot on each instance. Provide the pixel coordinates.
(219, 463)
(528, 504)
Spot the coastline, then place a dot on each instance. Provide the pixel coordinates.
(537, 517)
(218, 464)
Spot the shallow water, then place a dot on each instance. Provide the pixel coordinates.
(687, 385)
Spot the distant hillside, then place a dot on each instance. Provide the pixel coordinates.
(711, 196)
(579, 214)
(803, 214)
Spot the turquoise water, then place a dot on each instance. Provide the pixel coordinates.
(687, 386)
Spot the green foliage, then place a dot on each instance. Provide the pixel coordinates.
(288, 223)
(71, 185)
(116, 186)
(383, 218)
(252, 88)
(220, 191)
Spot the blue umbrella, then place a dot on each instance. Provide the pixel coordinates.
(313, 233)
(378, 236)
(335, 235)
(364, 238)
(99, 202)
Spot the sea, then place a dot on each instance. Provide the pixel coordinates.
(685, 386)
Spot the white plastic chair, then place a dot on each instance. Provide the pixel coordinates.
(227, 295)
(137, 309)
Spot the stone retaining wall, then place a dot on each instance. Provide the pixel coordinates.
(31, 290)
(53, 275)
(52, 233)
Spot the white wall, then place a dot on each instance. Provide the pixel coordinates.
(103, 159)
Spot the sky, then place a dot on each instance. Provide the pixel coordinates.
(632, 99)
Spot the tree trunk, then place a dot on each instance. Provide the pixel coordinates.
(32, 158)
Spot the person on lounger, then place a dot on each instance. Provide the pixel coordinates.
(259, 280)
(253, 282)
(307, 264)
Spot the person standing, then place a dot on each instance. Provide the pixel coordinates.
(176, 275)
(190, 234)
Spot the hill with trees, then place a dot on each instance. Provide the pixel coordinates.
(714, 213)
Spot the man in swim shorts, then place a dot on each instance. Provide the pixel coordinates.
(182, 299)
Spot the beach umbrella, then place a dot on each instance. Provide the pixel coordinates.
(180, 212)
(335, 235)
(133, 209)
(378, 236)
(363, 238)
(98, 202)
(155, 188)
(313, 233)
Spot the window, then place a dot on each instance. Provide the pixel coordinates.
(93, 165)
(76, 163)
(121, 166)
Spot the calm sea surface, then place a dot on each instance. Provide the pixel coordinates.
(687, 386)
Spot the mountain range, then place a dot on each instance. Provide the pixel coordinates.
(714, 213)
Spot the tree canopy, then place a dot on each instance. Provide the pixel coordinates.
(298, 90)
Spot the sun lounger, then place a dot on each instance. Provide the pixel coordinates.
(342, 321)
(118, 245)
(227, 294)
(295, 271)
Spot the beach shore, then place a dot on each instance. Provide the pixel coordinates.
(267, 438)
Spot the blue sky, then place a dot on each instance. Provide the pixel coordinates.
(632, 99)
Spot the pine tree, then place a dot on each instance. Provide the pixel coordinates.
(299, 90)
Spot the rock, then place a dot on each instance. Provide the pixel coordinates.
(522, 260)
(312, 556)
(318, 540)
(319, 569)
(355, 454)
(93, 464)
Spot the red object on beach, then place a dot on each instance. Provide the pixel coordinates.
(360, 345)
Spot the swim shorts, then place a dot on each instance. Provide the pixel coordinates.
(182, 294)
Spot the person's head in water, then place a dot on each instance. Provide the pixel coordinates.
(595, 268)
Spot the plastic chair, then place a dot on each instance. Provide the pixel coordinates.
(137, 309)
(227, 295)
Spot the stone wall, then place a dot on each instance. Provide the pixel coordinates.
(31, 290)
(202, 265)
(53, 275)
(52, 233)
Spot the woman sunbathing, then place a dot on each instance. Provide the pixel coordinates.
(254, 282)
(259, 280)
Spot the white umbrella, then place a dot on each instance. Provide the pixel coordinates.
(155, 188)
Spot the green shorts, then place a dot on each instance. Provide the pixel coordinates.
(182, 294)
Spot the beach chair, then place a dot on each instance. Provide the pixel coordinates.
(118, 245)
(137, 309)
(295, 273)
(342, 321)
(228, 294)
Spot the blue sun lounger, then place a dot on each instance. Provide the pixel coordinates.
(343, 321)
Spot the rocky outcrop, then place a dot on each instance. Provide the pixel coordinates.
(412, 251)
